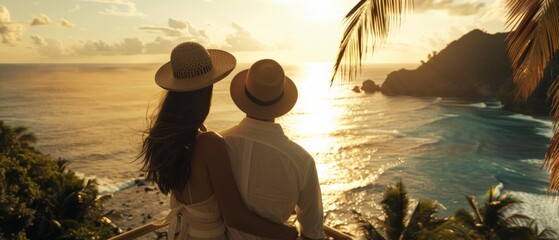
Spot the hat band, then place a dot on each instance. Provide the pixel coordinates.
(260, 102)
(192, 73)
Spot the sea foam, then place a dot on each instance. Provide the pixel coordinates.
(547, 128)
(543, 208)
(107, 185)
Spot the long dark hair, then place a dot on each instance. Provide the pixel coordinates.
(171, 138)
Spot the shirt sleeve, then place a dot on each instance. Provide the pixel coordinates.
(309, 206)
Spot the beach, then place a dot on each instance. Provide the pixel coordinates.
(138, 205)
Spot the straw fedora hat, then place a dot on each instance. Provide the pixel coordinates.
(263, 91)
(192, 67)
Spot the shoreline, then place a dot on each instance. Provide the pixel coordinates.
(137, 205)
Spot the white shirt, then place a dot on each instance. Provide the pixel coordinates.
(274, 176)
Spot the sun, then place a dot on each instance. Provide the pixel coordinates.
(323, 9)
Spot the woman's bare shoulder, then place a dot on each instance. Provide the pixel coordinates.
(208, 139)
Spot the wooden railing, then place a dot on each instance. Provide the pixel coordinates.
(152, 226)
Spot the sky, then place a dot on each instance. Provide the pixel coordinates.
(145, 31)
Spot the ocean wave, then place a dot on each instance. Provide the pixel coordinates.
(514, 171)
(515, 183)
(537, 162)
(462, 104)
(547, 123)
(478, 105)
(546, 130)
(107, 185)
(494, 105)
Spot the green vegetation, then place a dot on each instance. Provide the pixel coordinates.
(39, 199)
(489, 221)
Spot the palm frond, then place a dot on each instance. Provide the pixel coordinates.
(494, 212)
(526, 229)
(447, 229)
(395, 204)
(533, 40)
(551, 159)
(24, 136)
(547, 234)
(531, 44)
(366, 26)
(522, 225)
(28, 138)
(473, 203)
(465, 218)
(517, 220)
(516, 233)
(369, 231)
(422, 216)
(62, 163)
(20, 130)
(103, 198)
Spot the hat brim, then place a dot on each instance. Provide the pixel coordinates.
(223, 63)
(252, 109)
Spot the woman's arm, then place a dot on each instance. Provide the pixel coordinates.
(231, 205)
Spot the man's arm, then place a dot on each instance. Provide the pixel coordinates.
(309, 207)
(231, 205)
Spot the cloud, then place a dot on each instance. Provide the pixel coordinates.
(122, 8)
(38, 40)
(179, 29)
(168, 31)
(10, 32)
(129, 46)
(51, 48)
(66, 23)
(177, 24)
(242, 40)
(40, 19)
(196, 34)
(495, 12)
(4, 14)
(466, 9)
(54, 49)
(75, 8)
(457, 9)
(92, 48)
(160, 46)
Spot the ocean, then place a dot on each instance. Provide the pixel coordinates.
(440, 148)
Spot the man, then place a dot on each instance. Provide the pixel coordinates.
(274, 175)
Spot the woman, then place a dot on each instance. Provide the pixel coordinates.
(191, 163)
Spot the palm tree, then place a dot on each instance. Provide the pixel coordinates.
(397, 222)
(532, 42)
(492, 221)
(9, 137)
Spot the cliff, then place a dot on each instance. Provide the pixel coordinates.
(475, 66)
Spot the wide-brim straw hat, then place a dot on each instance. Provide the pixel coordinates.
(263, 91)
(192, 67)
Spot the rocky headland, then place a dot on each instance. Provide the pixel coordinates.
(475, 66)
